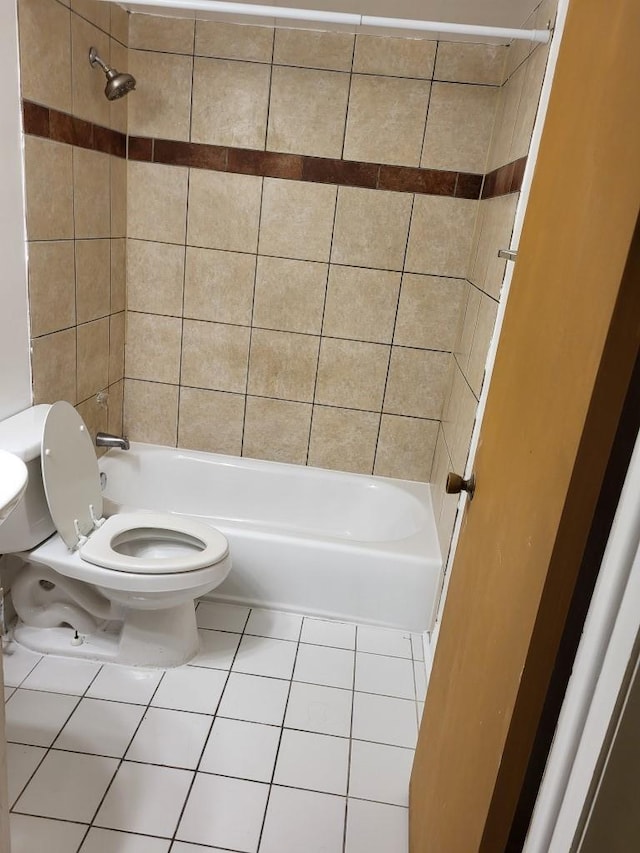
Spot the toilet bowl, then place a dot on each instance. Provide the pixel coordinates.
(120, 588)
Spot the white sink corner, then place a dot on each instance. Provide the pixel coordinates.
(13, 482)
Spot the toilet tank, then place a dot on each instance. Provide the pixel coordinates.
(30, 522)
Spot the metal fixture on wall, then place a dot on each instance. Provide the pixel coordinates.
(119, 83)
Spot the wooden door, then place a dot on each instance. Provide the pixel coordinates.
(570, 338)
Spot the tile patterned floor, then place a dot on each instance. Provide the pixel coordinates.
(286, 734)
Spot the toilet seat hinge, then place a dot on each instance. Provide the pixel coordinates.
(81, 537)
(97, 522)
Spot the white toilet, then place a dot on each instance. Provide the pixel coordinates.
(116, 589)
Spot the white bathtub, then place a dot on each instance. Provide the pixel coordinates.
(344, 546)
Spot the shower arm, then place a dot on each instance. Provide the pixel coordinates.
(94, 59)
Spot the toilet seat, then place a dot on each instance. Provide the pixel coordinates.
(203, 545)
(128, 541)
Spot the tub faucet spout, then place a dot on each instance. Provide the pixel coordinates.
(105, 439)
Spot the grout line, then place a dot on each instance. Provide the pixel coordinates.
(426, 117)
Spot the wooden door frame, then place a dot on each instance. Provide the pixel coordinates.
(449, 812)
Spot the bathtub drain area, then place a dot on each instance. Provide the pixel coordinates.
(285, 733)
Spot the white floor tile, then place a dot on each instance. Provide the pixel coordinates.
(145, 799)
(190, 688)
(62, 675)
(254, 699)
(303, 821)
(384, 641)
(17, 663)
(420, 676)
(323, 665)
(224, 812)
(323, 632)
(36, 718)
(417, 647)
(223, 617)
(264, 656)
(172, 738)
(125, 684)
(420, 711)
(313, 708)
(243, 750)
(181, 847)
(312, 761)
(110, 841)
(385, 675)
(68, 786)
(271, 623)
(217, 649)
(21, 763)
(31, 834)
(384, 720)
(100, 727)
(8, 693)
(380, 773)
(376, 828)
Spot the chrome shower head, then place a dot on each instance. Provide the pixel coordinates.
(119, 83)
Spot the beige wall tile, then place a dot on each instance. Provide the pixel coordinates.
(429, 312)
(49, 189)
(87, 83)
(161, 105)
(487, 271)
(52, 292)
(416, 383)
(116, 347)
(157, 202)
(96, 417)
(93, 357)
(487, 313)
(53, 364)
(211, 421)
(529, 100)
(118, 274)
(361, 304)
(444, 505)
(506, 115)
(459, 127)
(234, 41)
(169, 35)
(297, 220)
(352, 374)
(371, 228)
(215, 356)
(91, 186)
(289, 295)
(458, 62)
(458, 419)
(386, 118)
(151, 412)
(440, 236)
(219, 286)
(153, 347)
(307, 111)
(119, 109)
(469, 317)
(115, 404)
(93, 283)
(439, 471)
(343, 440)
(394, 57)
(119, 27)
(230, 102)
(93, 11)
(283, 365)
(277, 430)
(45, 53)
(155, 276)
(118, 197)
(405, 448)
(224, 211)
(313, 49)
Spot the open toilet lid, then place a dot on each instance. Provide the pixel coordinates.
(70, 473)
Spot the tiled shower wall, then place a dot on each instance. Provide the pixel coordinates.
(517, 107)
(292, 320)
(76, 205)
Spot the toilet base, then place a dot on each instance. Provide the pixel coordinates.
(157, 638)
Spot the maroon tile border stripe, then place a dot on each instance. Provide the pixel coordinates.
(62, 127)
